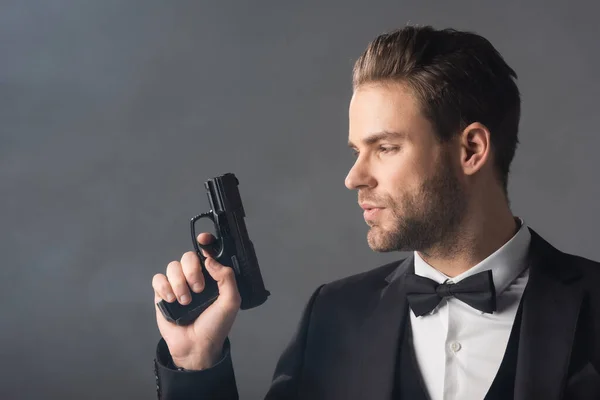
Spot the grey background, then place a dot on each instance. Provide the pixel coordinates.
(113, 114)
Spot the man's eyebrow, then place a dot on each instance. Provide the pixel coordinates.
(379, 136)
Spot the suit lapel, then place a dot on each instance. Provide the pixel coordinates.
(551, 305)
(372, 375)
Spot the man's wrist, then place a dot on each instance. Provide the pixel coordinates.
(196, 364)
(172, 365)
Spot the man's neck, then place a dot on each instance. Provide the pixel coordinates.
(477, 239)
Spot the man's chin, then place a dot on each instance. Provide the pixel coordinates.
(378, 248)
(377, 240)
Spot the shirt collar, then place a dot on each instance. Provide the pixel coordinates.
(506, 263)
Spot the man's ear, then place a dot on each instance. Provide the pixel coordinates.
(476, 148)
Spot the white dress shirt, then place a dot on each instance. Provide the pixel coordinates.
(458, 348)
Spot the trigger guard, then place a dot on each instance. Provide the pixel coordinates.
(215, 248)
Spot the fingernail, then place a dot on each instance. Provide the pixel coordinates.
(184, 299)
(197, 287)
(170, 297)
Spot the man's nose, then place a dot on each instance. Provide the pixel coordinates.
(359, 176)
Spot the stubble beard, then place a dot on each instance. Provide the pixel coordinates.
(430, 217)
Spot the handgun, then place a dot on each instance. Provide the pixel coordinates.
(232, 248)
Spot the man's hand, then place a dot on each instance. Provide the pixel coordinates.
(198, 345)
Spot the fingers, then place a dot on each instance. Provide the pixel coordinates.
(190, 263)
(205, 238)
(188, 271)
(178, 282)
(162, 289)
(178, 276)
(225, 277)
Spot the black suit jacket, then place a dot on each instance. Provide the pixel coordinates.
(346, 343)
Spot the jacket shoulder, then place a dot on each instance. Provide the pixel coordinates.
(354, 290)
(339, 305)
(589, 268)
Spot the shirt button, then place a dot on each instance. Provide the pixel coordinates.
(455, 346)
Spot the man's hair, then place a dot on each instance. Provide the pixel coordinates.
(458, 78)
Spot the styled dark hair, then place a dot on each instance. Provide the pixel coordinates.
(458, 78)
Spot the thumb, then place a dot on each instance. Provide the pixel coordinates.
(225, 278)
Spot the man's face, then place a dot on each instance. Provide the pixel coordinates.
(402, 170)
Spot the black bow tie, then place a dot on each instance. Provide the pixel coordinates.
(425, 294)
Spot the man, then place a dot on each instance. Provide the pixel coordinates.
(484, 308)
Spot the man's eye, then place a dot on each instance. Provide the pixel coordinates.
(388, 149)
(355, 153)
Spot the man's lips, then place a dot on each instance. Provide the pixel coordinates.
(368, 206)
(371, 210)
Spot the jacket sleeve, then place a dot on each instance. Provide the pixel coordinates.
(218, 382)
